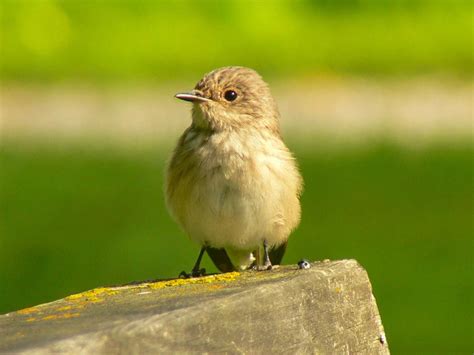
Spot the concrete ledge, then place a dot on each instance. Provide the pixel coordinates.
(328, 308)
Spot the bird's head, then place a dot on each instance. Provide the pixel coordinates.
(232, 98)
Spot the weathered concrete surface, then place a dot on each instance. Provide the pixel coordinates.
(326, 309)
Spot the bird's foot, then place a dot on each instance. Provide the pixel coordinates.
(194, 273)
(264, 267)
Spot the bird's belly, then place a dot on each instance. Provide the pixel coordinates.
(234, 212)
(224, 214)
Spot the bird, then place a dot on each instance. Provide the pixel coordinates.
(231, 182)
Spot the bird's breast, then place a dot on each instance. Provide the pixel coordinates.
(236, 189)
(240, 175)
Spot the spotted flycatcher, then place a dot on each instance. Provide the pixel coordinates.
(232, 184)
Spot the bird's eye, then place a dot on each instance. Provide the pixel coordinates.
(230, 95)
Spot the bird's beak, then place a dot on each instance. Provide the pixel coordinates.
(193, 96)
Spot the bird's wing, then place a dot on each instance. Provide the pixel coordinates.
(220, 258)
(276, 254)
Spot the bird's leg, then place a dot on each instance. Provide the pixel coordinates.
(196, 271)
(256, 260)
(267, 264)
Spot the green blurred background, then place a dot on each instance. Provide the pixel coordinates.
(84, 211)
(156, 40)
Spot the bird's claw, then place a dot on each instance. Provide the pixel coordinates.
(194, 273)
(264, 267)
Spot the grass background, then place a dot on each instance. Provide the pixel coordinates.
(78, 218)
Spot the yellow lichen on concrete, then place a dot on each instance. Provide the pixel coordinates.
(29, 310)
(227, 277)
(72, 307)
(95, 299)
(65, 308)
(97, 295)
(74, 297)
(61, 313)
(61, 316)
(92, 295)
